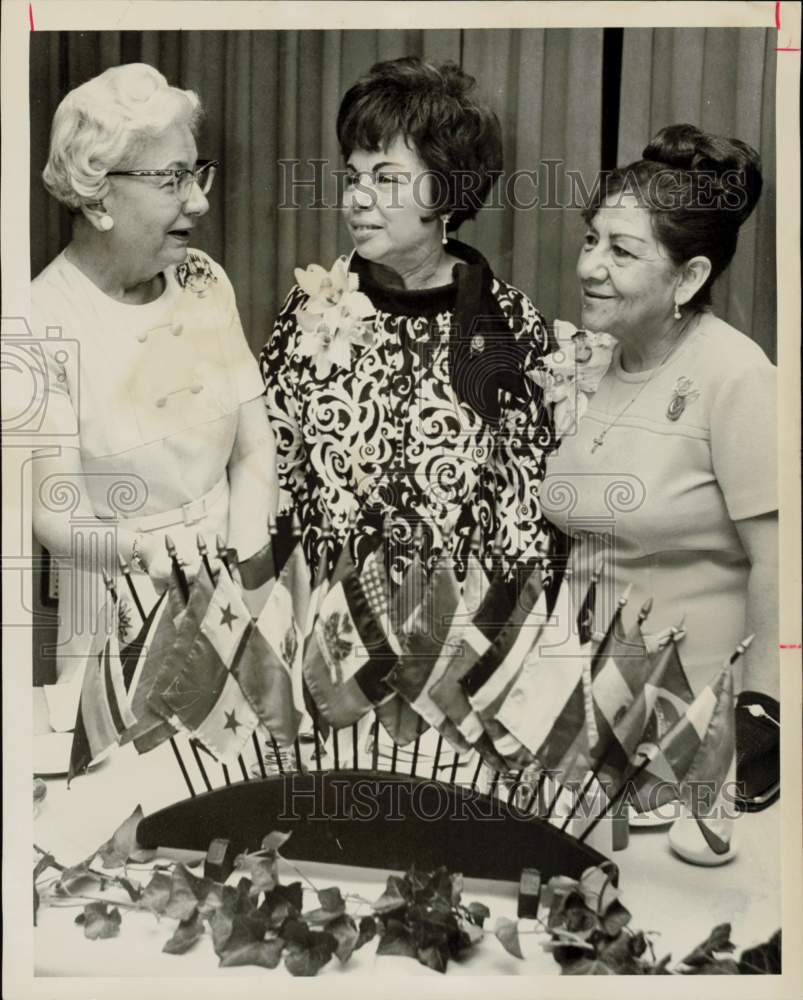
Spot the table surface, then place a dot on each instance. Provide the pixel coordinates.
(680, 901)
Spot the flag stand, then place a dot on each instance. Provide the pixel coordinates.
(373, 819)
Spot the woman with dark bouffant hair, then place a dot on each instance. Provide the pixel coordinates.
(685, 415)
(397, 382)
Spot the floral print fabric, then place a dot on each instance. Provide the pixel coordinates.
(385, 444)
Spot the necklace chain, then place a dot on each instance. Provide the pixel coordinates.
(599, 440)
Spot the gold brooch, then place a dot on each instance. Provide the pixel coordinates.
(682, 394)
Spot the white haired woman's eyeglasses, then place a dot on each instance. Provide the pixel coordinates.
(183, 179)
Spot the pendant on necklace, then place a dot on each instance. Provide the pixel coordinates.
(597, 442)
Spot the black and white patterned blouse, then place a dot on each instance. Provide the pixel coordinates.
(395, 441)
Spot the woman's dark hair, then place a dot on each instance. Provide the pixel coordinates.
(432, 109)
(699, 189)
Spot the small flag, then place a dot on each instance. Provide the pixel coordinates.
(103, 712)
(272, 651)
(489, 681)
(447, 693)
(698, 748)
(257, 576)
(547, 687)
(348, 655)
(203, 692)
(423, 640)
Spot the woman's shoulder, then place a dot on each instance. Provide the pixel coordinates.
(517, 306)
(727, 350)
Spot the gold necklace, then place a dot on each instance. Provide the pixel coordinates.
(600, 438)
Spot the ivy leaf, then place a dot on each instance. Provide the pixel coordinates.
(332, 905)
(186, 892)
(616, 917)
(156, 893)
(434, 957)
(274, 841)
(764, 959)
(237, 922)
(508, 933)
(122, 845)
(185, 935)
(281, 902)
(99, 922)
(395, 897)
(478, 913)
(263, 953)
(621, 954)
(306, 951)
(263, 872)
(367, 931)
(344, 930)
(717, 940)
(131, 887)
(396, 940)
(45, 861)
(76, 878)
(587, 967)
(714, 967)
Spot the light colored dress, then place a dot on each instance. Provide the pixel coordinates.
(149, 394)
(691, 450)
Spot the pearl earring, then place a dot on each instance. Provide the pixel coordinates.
(677, 310)
(106, 223)
(444, 220)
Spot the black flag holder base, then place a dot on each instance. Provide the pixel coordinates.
(373, 819)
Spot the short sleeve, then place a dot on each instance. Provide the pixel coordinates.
(744, 434)
(242, 364)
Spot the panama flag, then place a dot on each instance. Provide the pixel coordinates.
(257, 575)
(348, 655)
(203, 693)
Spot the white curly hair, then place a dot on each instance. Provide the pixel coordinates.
(99, 126)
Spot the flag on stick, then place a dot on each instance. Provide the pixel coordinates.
(203, 693)
(349, 655)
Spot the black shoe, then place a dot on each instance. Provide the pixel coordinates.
(758, 757)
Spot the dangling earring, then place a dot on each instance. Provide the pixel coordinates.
(106, 223)
(444, 219)
(677, 314)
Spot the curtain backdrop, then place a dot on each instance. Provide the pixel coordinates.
(272, 96)
(722, 80)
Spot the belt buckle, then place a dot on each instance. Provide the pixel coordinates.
(193, 511)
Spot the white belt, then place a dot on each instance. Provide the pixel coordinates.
(187, 514)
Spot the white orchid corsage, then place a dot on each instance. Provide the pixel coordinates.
(334, 317)
(569, 376)
(196, 274)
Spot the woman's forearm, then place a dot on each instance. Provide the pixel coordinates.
(761, 663)
(254, 497)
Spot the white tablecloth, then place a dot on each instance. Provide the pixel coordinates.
(664, 894)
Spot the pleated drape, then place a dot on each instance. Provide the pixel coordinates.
(271, 101)
(722, 80)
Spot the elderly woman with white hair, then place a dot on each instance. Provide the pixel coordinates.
(162, 392)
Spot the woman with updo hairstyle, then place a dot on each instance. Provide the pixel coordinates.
(677, 447)
(151, 392)
(397, 382)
